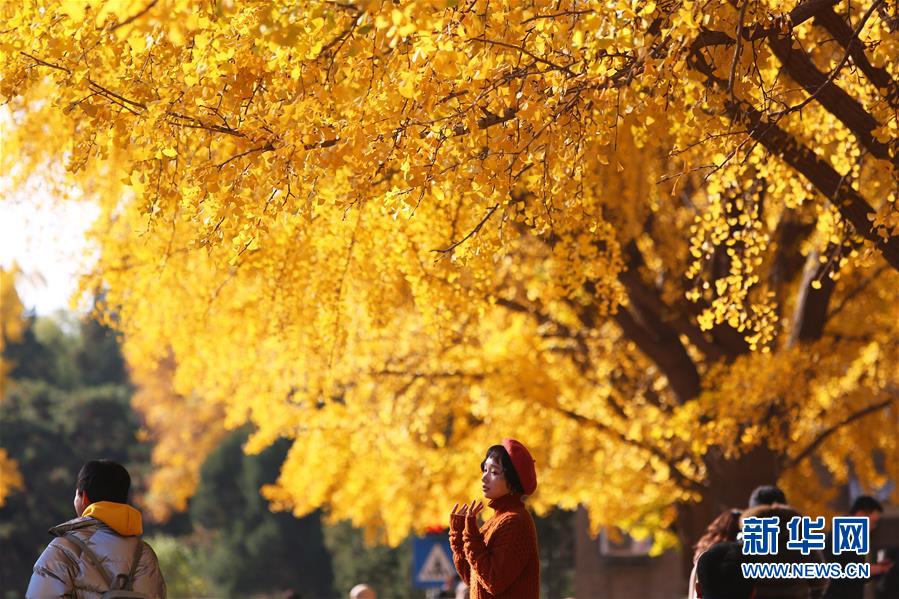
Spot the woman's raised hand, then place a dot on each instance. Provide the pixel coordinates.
(457, 511)
(475, 508)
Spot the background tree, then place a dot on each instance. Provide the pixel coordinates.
(394, 233)
(386, 569)
(182, 563)
(250, 550)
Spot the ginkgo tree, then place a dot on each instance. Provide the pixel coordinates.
(658, 242)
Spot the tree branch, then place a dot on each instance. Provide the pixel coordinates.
(471, 233)
(810, 314)
(854, 39)
(263, 148)
(661, 345)
(810, 9)
(134, 17)
(858, 289)
(526, 52)
(832, 97)
(843, 33)
(797, 16)
(555, 15)
(811, 447)
(736, 59)
(788, 263)
(683, 479)
(640, 293)
(45, 63)
(852, 206)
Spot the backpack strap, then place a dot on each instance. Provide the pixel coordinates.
(93, 557)
(138, 551)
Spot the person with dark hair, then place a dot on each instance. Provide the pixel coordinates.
(767, 495)
(723, 528)
(100, 550)
(719, 574)
(499, 560)
(866, 505)
(854, 588)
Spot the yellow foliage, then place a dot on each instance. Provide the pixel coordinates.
(12, 327)
(12, 322)
(10, 477)
(183, 431)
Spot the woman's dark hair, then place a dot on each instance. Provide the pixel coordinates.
(499, 453)
(723, 528)
(104, 480)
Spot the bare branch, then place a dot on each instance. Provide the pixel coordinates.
(263, 148)
(853, 40)
(526, 52)
(555, 15)
(45, 63)
(858, 289)
(844, 34)
(134, 17)
(471, 233)
(736, 59)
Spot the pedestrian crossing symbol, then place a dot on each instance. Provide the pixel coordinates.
(437, 566)
(432, 561)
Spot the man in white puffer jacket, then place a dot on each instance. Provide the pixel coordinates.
(107, 530)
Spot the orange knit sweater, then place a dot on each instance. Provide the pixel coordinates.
(500, 560)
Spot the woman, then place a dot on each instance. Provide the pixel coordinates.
(723, 528)
(499, 560)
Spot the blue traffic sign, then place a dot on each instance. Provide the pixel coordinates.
(432, 562)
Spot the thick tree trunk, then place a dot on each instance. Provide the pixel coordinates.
(729, 485)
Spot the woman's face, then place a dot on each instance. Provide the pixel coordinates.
(493, 481)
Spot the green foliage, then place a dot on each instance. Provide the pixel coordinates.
(181, 563)
(67, 353)
(33, 359)
(387, 570)
(252, 550)
(98, 357)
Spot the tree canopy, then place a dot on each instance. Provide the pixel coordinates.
(656, 241)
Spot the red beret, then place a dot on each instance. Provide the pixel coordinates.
(524, 465)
